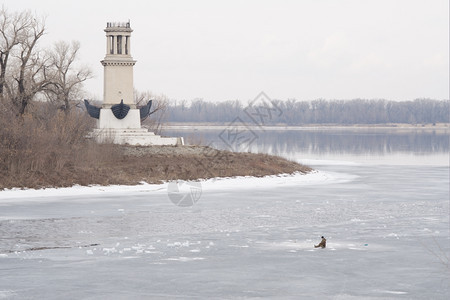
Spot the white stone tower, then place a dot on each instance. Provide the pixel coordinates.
(119, 119)
(118, 65)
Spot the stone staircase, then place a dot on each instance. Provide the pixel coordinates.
(133, 136)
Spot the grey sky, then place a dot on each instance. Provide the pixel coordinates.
(303, 49)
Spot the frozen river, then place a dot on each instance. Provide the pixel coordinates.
(385, 216)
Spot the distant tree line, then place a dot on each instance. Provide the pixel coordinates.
(293, 112)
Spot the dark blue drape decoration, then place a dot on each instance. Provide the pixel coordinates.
(144, 111)
(92, 110)
(120, 111)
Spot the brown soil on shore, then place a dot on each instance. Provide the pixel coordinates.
(198, 162)
(130, 165)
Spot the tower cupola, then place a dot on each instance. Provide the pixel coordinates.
(118, 36)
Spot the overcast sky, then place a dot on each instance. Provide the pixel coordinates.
(303, 49)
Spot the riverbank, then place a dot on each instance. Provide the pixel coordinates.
(129, 165)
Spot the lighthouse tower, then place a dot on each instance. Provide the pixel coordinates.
(118, 77)
(118, 65)
(119, 119)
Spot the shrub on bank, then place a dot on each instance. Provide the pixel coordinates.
(48, 149)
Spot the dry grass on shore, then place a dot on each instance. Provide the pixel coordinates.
(154, 164)
(52, 151)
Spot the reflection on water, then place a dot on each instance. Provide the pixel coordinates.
(326, 142)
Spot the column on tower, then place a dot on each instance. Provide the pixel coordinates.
(123, 44)
(112, 49)
(108, 45)
(119, 44)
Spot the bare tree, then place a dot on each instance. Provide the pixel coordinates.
(31, 77)
(67, 78)
(23, 67)
(158, 111)
(13, 30)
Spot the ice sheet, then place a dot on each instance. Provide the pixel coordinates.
(386, 229)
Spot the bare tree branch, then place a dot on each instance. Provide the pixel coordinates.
(67, 78)
(158, 112)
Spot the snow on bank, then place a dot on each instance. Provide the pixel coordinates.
(77, 190)
(268, 182)
(52, 194)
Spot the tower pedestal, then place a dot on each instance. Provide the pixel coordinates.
(128, 131)
(107, 120)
